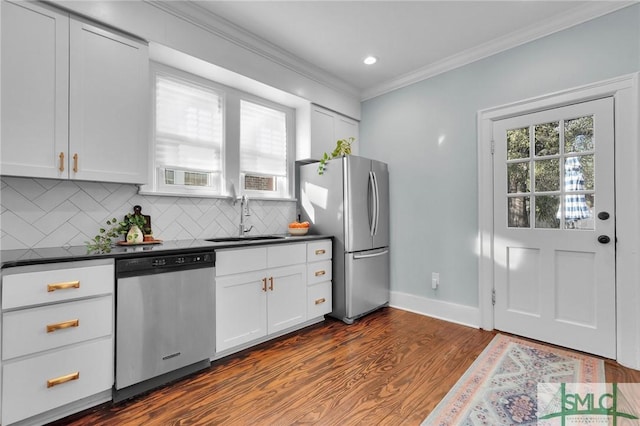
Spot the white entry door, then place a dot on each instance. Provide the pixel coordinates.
(554, 226)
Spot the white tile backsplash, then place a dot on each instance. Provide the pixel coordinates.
(38, 213)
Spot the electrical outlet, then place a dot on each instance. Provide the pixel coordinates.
(435, 280)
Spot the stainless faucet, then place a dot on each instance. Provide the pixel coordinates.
(244, 211)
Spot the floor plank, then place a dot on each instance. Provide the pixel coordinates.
(391, 367)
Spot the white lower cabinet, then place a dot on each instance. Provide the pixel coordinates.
(286, 297)
(57, 339)
(41, 383)
(255, 304)
(241, 309)
(263, 291)
(319, 275)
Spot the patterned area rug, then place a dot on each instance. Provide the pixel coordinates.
(500, 387)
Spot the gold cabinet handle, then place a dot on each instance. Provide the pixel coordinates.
(63, 379)
(320, 251)
(61, 157)
(271, 283)
(320, 301)
(62, 325)
(75, 163)
(320, 273)
(264, 284)
(63, 286)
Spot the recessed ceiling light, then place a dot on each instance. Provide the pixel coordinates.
(370, 60)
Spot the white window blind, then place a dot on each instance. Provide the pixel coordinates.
(189, 127)
(263, 140)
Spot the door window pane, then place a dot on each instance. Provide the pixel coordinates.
(586, 166)
(518, 179)
(547, 175)
(518, 212)
(588, 220)
(546, 211)
(563, 187)
(518, 143)
(547, 139)
(578, 134)
(579, 211)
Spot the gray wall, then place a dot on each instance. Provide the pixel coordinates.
(427, 133)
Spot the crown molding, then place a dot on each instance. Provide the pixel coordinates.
(227, 30)
(563, 21)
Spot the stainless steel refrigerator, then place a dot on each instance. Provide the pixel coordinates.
(351, 202)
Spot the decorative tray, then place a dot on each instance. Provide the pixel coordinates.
(125, 243)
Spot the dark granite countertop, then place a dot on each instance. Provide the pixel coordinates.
(22, 257)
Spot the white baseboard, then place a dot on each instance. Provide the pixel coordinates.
(447, 311)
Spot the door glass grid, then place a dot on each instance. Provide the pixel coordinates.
(555, 187)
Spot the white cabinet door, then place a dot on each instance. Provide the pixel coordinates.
(345, 128)
(35, 90)
(327, 127)
(241, 309)
(321, 132)
(287, 297)
(34, 385)
(108, 86)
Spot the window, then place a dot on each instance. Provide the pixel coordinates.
(263, 149)
(188, 136)
(211, 140)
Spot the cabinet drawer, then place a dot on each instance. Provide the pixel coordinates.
(33, 330)
(318, 272)
(319, 250)
(24, 286)
(286, 254)
(235, 261)
(28, 386)
(319, 299)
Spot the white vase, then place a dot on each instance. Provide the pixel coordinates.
(134, 235)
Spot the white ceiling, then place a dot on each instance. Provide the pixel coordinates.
(412, 39)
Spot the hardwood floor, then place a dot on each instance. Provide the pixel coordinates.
(389, 368)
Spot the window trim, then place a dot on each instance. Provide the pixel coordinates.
(231, 178)
(290, 129)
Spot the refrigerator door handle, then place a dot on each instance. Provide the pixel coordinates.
(365, 256)
(373, 203)
(376, 200)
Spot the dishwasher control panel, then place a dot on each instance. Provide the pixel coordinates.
(151, 263)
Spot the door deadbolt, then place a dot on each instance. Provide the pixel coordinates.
(603, 215)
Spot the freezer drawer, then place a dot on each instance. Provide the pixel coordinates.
(367, 281)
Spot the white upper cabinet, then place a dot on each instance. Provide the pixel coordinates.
(35, 90)
(108, 119)
(326, 128)
(74, 98)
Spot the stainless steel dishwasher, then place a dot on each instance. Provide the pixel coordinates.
(164, 319)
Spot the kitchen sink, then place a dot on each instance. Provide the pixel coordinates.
(246, 238)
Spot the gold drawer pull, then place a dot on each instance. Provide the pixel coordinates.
(63, 379)
(63, 286)
(320, 273)
(264, 284)
(61, 156)
(271, 283)
(320, 251)
(62, 325)
(75, 163)
(319, 301)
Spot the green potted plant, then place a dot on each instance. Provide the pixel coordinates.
(132, 225)
(343, 147)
